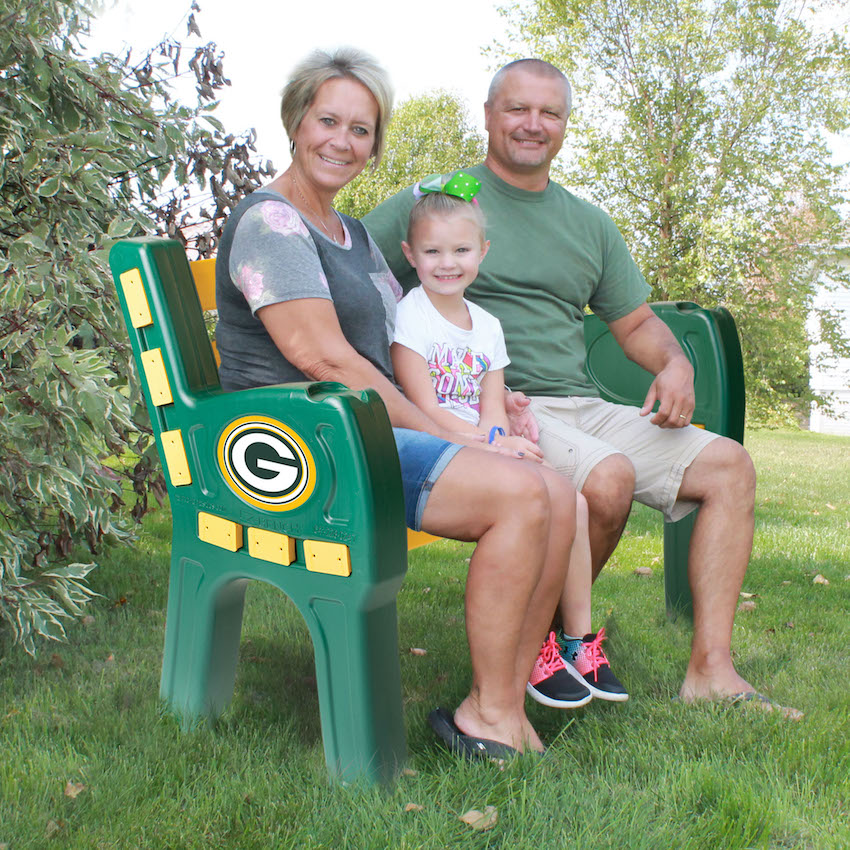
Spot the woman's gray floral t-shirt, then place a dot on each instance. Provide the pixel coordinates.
(268, 255)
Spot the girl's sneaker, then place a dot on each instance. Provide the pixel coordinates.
(585, 660)
(551, 683)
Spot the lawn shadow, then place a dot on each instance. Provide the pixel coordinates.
(276, 672)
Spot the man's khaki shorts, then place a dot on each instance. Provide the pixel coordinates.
(578, 432)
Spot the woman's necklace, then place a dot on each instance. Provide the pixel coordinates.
(311, 210)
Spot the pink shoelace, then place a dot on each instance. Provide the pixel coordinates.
(594, 653)
(550, 653)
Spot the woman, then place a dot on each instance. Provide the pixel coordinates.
(304, 294)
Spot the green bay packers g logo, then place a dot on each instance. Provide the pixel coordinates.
(266, 464)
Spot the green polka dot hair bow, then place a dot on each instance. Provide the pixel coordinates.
(460, 184)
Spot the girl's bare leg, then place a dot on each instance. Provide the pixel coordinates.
(575, 599)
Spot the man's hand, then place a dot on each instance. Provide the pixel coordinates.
(520, 417)
(673, 389)
(647, 341)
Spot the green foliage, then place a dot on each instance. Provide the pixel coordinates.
(85, 148)
(428, 134)
(701, 126)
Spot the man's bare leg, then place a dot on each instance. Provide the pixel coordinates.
(505, 506)
(723, 480)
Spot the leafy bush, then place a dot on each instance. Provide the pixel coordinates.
(87, 146)
(429, 134)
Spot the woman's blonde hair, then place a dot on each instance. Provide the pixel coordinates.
(343, 63)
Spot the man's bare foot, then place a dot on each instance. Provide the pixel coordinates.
(758, 700)
(712, 677)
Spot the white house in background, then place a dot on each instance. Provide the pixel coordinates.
(832, 375)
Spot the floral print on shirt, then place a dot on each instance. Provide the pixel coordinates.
(388, 280)
(279, 229)
(250, 282)
(282, 218)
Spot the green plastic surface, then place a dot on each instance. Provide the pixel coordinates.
(710, 339)
(356, 501)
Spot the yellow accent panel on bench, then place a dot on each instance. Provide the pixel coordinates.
(415, 539)
(219, 531)
(137, 301)
(332, 558)
(175, 457)
(271, 546)
(203, 273)
(157, 377)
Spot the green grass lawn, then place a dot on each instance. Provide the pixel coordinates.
(87, 759)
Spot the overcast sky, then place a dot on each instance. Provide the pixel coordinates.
(262, 41)
(424, 46)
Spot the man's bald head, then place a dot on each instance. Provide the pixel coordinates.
(532, 66)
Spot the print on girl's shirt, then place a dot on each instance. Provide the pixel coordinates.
(456, 372)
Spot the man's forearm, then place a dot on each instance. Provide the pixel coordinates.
(651, 344)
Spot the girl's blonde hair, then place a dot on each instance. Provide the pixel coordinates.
(440, 205)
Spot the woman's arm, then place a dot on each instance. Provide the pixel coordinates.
(307, 332)
(411, 371)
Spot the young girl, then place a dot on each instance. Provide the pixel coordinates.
(449, 357)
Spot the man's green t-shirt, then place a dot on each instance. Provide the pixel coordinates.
(551, 254)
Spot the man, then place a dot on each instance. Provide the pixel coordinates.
(551, 255)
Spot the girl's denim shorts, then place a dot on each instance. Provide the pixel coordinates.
(423, 458)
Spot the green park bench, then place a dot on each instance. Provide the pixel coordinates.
(299, 486)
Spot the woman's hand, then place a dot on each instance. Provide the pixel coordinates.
(524, 448)
(502, 445)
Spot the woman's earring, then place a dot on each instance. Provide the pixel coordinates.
(292, 147)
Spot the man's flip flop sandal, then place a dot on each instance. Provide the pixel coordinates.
(765, 703)
(442, 722)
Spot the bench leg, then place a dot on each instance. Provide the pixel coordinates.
(358, 674)
(677, 588)
(359, 684)
(202, 632)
